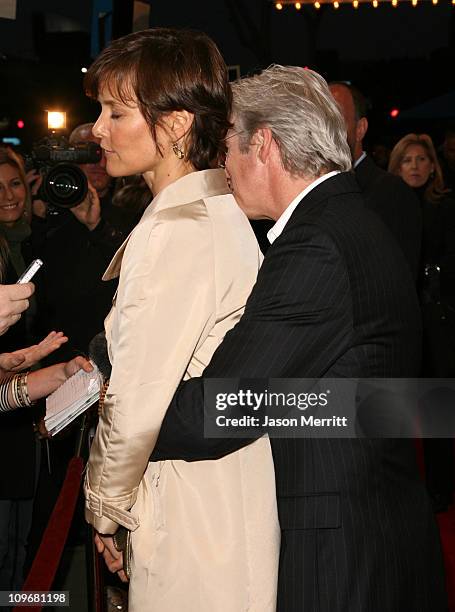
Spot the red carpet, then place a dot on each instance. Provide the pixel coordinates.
(446, 522)
(45, 564)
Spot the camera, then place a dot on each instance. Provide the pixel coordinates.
(64, 184)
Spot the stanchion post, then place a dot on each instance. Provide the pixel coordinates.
(95, 579)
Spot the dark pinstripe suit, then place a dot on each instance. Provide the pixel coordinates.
(333, 298)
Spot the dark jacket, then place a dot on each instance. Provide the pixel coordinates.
(396, 205)
(438, 243)
(73, 298)
(437, 286)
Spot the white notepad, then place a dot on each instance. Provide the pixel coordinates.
(71, 399)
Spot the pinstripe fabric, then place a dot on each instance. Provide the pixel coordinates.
(333, 298)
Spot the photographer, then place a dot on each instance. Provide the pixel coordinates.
(76, 245)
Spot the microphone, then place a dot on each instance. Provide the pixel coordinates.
(97, 351)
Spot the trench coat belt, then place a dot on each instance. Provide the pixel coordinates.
(109, 507)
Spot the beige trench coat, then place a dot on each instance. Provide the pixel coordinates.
(205, 535)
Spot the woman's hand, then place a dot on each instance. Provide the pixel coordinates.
(23, 359)
(41, 429)
(76, 364)
(13, 301)
(113, 557)
(42, 383)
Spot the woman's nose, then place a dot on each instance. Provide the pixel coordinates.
(9, 193)
(97, 129)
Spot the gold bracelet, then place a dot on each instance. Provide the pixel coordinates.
(24, 389)
(17, 391)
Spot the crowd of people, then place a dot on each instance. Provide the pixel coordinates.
(356, 280)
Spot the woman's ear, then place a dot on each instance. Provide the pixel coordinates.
(178, 124)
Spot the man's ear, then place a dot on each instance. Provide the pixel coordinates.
(361, 129)
(264, 140)
(178, 123)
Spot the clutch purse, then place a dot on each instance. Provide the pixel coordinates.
(122, 542)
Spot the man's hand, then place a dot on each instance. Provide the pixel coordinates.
(113, 557)
(88, 211)
(27, 357)
(13, 301)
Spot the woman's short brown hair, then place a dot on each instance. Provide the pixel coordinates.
(166, 70)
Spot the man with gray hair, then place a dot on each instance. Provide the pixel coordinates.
(334, 298)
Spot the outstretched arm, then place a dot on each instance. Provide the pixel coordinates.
(25, 358)
(19, 390)
(45, 381)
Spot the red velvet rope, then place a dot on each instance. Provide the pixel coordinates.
(47, 560)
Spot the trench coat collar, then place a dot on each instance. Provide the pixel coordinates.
(190, 188)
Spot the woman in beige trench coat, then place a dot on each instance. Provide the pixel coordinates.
(204, 535)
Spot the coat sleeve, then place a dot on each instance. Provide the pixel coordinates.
(165, 305)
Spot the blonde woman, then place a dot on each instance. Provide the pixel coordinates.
(15, 205)
(414, 159)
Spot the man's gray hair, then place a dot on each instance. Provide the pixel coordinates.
(296, 105)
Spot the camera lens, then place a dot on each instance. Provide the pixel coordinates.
(65, 185)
